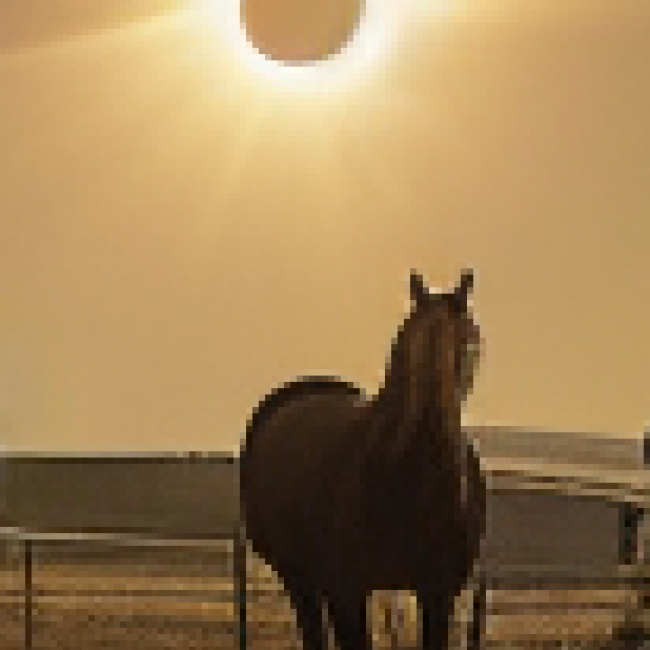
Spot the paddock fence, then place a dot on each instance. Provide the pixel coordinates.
(119, 590)
(115, 591)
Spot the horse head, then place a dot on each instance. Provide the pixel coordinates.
(442, 337)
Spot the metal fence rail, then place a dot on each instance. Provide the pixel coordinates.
(629, 580)
(226, 559)
(220, 582)
(214, 558)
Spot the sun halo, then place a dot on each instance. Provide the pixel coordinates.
(365, 53)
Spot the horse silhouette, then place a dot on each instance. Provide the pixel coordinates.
(344, 494)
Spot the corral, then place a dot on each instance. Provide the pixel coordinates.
(117, 590)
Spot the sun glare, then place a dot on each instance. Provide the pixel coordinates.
(365, 52)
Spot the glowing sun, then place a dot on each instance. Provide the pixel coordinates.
(306, 43)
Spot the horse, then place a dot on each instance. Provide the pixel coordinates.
(343, 493)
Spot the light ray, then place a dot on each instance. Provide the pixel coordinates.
(248, 131)
(261, 117)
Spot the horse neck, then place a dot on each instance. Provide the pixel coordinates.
(403, 451)
(406, 420)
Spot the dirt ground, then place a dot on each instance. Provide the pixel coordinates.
(188, 619)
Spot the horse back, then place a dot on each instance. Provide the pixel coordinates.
(290, 392)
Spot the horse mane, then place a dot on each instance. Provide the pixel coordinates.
(396, 368)
(307, 385)
(399, 381)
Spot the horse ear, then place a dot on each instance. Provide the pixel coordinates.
(465, 284)
(418, 289)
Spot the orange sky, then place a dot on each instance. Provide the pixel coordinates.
(173, 245)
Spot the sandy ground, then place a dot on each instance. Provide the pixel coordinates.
(207, 619)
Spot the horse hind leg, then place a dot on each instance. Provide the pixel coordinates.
(308, 607)
(349, 620)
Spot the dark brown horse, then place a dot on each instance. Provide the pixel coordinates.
(344, 494)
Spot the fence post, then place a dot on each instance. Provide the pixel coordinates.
(478, 617)
(630, 520)
(644, 531)
(29, 591)
(632, 515)
(241, 580)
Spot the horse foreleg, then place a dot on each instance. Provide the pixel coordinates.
(308, 606)
(437, 617)
(348, 618)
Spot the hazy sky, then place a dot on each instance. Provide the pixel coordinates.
(176, 240)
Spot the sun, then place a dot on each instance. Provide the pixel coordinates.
(363, 53)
